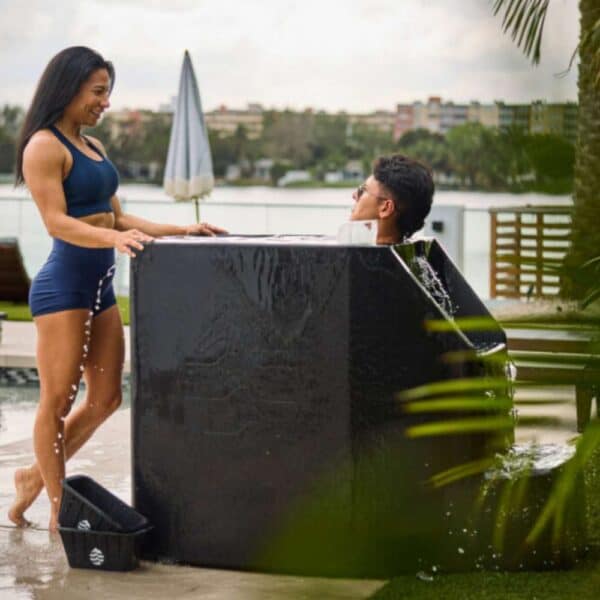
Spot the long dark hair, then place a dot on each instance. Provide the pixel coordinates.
(59, 84)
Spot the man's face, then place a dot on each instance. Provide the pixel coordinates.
(368, 200)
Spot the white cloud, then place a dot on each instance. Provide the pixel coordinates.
(358, 55)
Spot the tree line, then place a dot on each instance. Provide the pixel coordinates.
(468, 156)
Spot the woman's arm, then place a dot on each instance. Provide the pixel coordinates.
(125, 221)
(43, 161)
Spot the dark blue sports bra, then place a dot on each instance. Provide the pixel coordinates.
(90, 184)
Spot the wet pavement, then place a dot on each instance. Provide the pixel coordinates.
(33, 563)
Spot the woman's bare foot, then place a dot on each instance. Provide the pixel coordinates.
(28, 488)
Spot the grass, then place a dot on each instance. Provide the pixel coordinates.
(583, 582)
(579, 583)
(19, 311)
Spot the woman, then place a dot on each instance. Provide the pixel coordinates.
(72, 299)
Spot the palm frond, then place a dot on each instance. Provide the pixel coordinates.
(459, 404)
(461, 426)
(591, 297)
(462, 471)
(525, 21)
(592, 262)
(463, 323)
(557, 503)
(451, 386)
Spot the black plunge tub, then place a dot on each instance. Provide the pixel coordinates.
(268, 423)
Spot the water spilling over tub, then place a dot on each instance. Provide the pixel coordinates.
(273, 422)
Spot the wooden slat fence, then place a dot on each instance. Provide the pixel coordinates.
(528, 245)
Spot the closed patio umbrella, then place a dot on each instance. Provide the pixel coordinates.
(188, 171)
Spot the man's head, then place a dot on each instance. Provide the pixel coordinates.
(398, 194)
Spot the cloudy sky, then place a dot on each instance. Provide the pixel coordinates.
(354, 55)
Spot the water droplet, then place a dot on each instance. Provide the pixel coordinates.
(448, 513)
(434, 568)
(464, 530)
(81, 368)
(60, 436)
(56, 451)
(461, 551)
(73, 387)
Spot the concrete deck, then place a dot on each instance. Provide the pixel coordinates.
(17, 348)
(33, 564)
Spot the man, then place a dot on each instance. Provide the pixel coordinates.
(398, 194)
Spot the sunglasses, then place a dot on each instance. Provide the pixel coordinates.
(362, 188)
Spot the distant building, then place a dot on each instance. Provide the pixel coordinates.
(405, 120)
(129, 122)
(435, 116)
(486, 114)
(557, 119)
(429, 115)
(514, 115)
(353, 171)
(440, 117)
(382, 120)
(225, 121)
(294, 177)
(452, 115)
(233, 172)
(333, 177)
(262, 168)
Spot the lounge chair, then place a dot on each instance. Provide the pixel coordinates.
(14, 281)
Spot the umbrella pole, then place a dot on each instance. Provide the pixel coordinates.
(197, 210)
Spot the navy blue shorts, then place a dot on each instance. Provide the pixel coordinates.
(74, 277)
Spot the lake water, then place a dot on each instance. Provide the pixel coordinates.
(263, 210)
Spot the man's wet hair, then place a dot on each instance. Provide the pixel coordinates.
(410, 184)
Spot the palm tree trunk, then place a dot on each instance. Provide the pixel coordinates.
(586, 219)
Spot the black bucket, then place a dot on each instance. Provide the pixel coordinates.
(86, 505)
(98, 530)
(103, 550)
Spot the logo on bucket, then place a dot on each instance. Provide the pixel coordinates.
(84, 524)
(96, 557)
